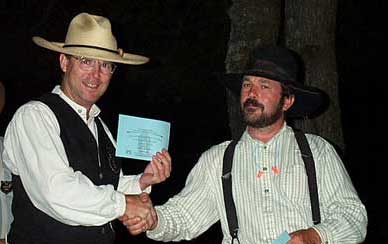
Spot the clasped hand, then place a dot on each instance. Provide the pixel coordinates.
(140, 215)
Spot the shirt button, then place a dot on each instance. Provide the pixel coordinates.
(265, 168)
(79, 111)
(266, 190)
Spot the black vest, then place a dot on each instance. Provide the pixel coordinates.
(32, 225)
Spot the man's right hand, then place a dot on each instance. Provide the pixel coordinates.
(140, 214)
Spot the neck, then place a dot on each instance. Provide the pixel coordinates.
(265, 134)
(68, 94)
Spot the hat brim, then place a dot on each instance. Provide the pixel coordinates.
(309, 101)
(126, 58)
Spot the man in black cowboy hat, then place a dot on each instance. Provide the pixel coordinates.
(269, 187)
(68, 185)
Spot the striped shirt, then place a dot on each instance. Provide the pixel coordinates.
(270, 191)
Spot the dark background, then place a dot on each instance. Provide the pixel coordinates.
(187, 43)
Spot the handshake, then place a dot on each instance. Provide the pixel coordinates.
(140, 214)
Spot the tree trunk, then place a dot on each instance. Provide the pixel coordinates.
(310, 31)
(253, 22)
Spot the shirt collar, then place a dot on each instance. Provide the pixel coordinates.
(246, 137)
(94, 110)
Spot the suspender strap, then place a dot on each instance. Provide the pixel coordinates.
(308, 159)
(227, 189)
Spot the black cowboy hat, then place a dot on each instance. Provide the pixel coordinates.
(282, 65)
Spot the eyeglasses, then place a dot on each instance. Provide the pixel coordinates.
(87, 64)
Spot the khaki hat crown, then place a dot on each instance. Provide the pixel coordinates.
(91, 30)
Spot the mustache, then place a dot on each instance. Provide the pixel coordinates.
(253, 102)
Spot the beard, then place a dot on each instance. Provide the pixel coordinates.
(264, 119)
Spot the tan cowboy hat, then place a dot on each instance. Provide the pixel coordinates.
(91, 36)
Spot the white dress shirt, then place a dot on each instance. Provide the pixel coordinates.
(33, 150)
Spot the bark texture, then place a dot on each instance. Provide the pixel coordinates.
(253, 22)
(310, 30)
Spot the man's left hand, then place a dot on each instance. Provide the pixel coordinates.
(309, 236)
(158, 170)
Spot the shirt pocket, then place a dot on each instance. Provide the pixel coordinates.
(293, 184)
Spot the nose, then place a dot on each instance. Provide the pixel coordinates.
(96, 69)
(253, 91)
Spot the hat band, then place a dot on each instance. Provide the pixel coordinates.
(95, 47)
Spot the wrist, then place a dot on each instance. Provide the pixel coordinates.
(143, 185)
(155, 222)
(121, 204)
(318, 236)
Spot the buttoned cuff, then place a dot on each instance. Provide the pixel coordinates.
(147, 189)
(156, 233)
(121, 204)
(322, 234)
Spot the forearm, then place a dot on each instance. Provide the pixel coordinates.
(184, 217)
(67, 196)
(173, 226)
(79, 202)
(344, 216)
(349, 227)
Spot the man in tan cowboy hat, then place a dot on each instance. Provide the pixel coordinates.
(68, 185)
(266, 181)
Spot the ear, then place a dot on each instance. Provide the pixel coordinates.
(63, 62)
(288, 101)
